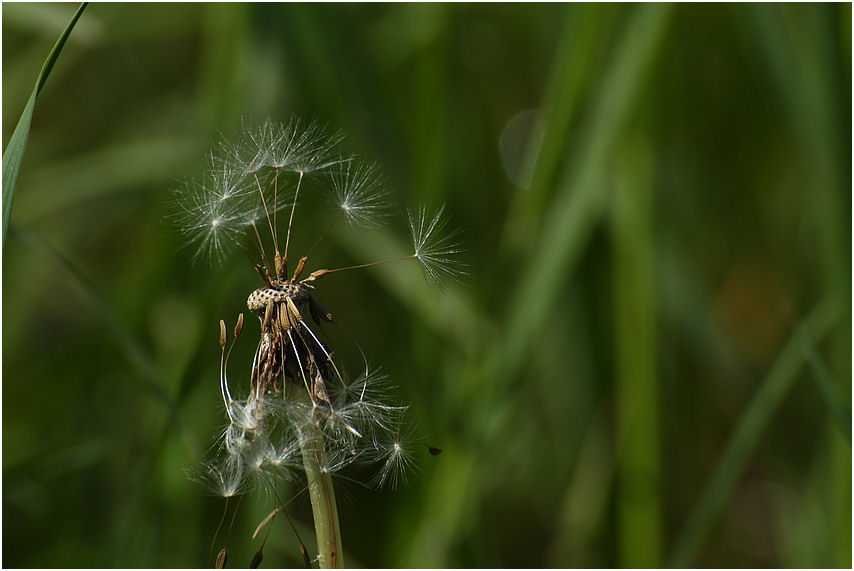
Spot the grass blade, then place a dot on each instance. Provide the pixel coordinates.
(14, 153)
(582, 43)
(748, 432)
(637, 385)
(840, 412)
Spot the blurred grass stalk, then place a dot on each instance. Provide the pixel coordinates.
(636, 387)
(565, 224)
(579, 200)
(797, 43)
(748, 432)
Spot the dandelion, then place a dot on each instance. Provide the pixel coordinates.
(358, 193)
(301, 415)
(213, 213)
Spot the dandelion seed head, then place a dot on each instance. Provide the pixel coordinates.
(247, 181)
(301, 405)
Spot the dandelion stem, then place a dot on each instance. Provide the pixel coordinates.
(323, 272)
(275, 208)
(322, 234)
(322, 496)
(263, 253)
(291, 219)
(266, 211)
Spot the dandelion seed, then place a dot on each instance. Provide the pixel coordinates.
(296, 147)
(287, 456)
(339, 455)
(367, 400)
(212, 213)
(306, 148)
(358, 192)
(396, 458)
(224, 479)
(435, 248)
(211, 227)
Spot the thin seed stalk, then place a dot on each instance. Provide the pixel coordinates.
(322, 496)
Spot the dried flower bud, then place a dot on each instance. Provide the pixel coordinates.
(239, 327)
(221, 559)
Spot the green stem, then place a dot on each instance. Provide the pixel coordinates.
(322, 498)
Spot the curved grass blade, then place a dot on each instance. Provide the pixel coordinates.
(14, 153)
(747, 433)
(839, 411)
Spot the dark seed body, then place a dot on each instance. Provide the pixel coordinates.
(277, 293)
(256, 560)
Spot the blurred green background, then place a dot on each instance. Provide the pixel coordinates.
(648, 365)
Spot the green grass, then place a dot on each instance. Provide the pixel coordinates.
(13, 154)
(649, 363)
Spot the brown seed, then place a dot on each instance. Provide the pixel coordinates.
(221, 558)
(223, 336)
(318, 274)
(268, 315)
(300, 267)
(265, 521)
(281, 266)
(317, 312)
(239, 327)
